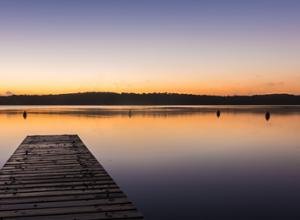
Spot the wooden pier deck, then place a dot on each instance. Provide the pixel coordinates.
(56, 177)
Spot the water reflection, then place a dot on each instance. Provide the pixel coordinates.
(178, 163)
(147, 110)
(129, 113)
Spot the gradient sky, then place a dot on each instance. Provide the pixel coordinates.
(212, 47)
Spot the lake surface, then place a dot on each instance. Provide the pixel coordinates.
(182, 162)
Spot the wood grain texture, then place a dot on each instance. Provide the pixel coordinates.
(57, 177)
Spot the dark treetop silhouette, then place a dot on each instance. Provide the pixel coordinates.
(109, 98)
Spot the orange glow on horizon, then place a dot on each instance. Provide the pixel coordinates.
(229, 88)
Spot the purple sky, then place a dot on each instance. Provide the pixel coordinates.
(212, 47)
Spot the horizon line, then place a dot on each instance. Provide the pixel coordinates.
(147, 93)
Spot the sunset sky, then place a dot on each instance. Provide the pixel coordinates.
(189, 46)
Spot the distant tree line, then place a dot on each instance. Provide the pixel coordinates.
(109, 98)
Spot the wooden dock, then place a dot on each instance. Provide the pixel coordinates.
(57, 177)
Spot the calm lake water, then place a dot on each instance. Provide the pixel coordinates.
(182, 162)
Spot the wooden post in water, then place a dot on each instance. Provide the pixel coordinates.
(267, 116)
(57, 177)
(24, 114)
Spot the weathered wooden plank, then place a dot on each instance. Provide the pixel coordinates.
(43, 199)
(48, 162)
(57, 192)
(53, 156)
(34, 166)
(54, 180)
(59, 204)
(11, 172)
(72, 176)
(56, 177)
(68, 210)
(9, 190)
(41, 155)
(41, 161)
(129, 214)
(51, 167)
(53, 184)
(72, 172)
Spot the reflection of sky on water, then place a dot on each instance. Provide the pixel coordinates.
(188, 164)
